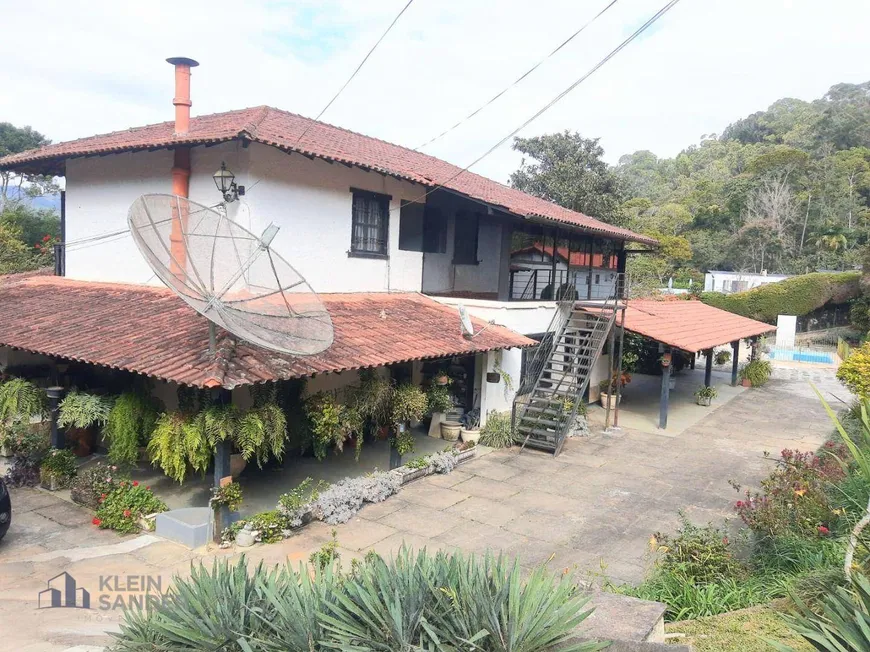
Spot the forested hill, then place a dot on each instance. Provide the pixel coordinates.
(786, 190)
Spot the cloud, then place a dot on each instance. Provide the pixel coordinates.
(73, 69)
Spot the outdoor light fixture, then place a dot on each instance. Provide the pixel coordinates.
(226, 184)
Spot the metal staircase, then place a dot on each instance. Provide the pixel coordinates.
(555, 381)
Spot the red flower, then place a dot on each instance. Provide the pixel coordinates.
(135, 483)
(148, 488)
(823, 530)
(103, 496)
(127, 513)
(725, 540)
(739, 503)
(96, 521)
(46, 238)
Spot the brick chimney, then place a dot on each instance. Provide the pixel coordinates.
(182, 92)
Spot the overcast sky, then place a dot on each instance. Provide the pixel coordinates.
(73, 69)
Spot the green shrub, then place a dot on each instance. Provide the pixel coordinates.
(854, 373)
(59, 463)
(416, 601)
(229, 496)
(122, 508)
(438, 399)
(327, 555)
(497, 431)
(722, 357)
(95, 483)
(702, 553)
(794, 296)
(757, 372)
(795, 498)
(21, 399)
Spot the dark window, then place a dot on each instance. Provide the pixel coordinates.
(411, 226)
(597, 279)
(370, 223)
(434, 231)
(465, 239)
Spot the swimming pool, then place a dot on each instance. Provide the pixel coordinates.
(801, 355)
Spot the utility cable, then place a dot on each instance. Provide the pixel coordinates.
(358, 68)
(519, 79)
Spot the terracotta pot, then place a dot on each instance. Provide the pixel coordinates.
(608, 398)
(450, 430)
(237, 464)
(746, 382)
(441, 380)
(81, 440)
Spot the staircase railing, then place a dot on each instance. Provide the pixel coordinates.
(603, 315)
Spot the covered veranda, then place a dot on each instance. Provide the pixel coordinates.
(693, 329)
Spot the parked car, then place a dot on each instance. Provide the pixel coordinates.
(5, 509)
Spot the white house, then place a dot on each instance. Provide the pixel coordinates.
(728, 282)
(361, 219)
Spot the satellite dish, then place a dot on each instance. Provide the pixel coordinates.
(229, 275)
(465, 322)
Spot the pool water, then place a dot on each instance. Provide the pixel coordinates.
(801, 355)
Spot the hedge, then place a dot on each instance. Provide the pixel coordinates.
(798, 295)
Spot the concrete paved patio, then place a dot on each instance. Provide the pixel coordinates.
(639, 408)
(592, 509)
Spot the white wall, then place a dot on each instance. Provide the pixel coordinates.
(526, 317)
(310, 200)
(499, 396)
(722, 281)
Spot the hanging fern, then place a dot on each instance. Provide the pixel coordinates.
(129, 426)
(21, 399)
(83, 410)
(262, 432)
(178, 444)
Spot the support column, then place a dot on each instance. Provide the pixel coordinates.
(735, 355)
(58, 436)
(665, 395)
(222, 453)
(692, 366)
(708, 368)
(619, 368)
(753, 352)
(613, 396)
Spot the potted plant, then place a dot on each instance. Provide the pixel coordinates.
(81, 414)
(755, 373)
(439, 402)
(470, 432)
(408, 404)
(58, 468)
(608, 388)
(441, 378)
(722, 357)
(704, 395)
(228, 495)
(128, 427)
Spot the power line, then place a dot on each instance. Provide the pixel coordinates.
(519, 79)
(358, 68)
(661, 12)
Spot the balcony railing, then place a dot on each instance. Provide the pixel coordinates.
(539, 285)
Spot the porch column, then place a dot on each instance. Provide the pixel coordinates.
(58, 436)
(619, 368)
(708, 368)
(692, 366)
(735, 354)
(610, 370)
(753, 344)
(665, 395)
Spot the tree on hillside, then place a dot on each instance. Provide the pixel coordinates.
(12, 141)
(568, 169)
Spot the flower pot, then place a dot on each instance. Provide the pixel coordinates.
(492, 377)
(81, 440)
(442, 380)
(245, 538)
(470, 435)
(608, 398)
(49, 482)
(237, 464)
(746, 382)
(450, 430)
(704, 400)
(435, 424)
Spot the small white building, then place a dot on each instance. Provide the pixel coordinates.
(728, 282)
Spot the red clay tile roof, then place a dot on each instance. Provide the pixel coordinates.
(281, 129)
(148, 330)
(689, 325)
(578, 258)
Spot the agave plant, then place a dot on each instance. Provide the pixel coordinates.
(841, 623)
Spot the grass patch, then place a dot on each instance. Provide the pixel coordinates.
(746, 630)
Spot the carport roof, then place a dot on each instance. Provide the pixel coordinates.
(689, 325)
